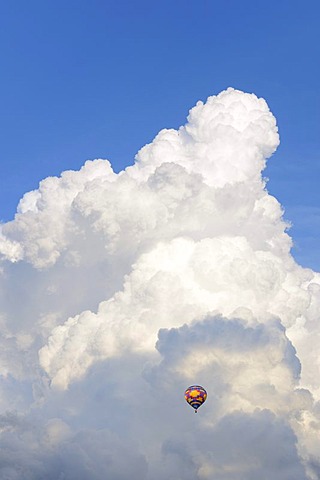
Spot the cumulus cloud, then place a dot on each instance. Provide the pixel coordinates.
(121, 290)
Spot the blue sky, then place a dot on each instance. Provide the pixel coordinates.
(98, 78)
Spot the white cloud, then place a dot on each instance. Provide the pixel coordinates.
(120, 290)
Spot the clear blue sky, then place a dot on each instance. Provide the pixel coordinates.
(98, 78)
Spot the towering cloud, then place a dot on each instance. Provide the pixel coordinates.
(120, 290)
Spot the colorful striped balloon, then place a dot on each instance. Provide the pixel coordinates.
(195, 396)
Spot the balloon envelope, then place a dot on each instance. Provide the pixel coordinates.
(195, 396)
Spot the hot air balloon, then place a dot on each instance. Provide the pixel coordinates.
(195, 396)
